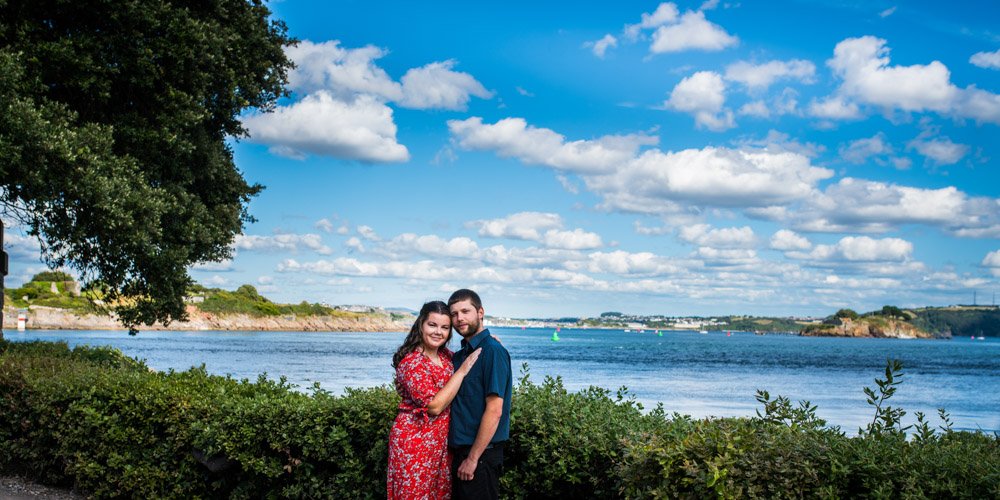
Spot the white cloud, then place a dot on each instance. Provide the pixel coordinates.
(217, 280)
(545, 228)
(834, 108)
(863, 66)
(361, 129)
(599, 47)
(709, 5)
(710, 176)
(693, 32)
(992, 261)
(341, 72)
(728, 237)
(354, 243)
(857, 204)
(436, 86)
(223, 266)
(860, 249)
(368, 233)
(786, 240)
(860, 150)
(759, 77)
(21, 248)
(630, 264)
(577, 239)
(521, 226)
(887, 12)
(433, 245)
(513, 137)
(281, 243)
(324, 225)
(665, 13)
(988, 60)
(703, 96)
(940, 150)
(726, 257)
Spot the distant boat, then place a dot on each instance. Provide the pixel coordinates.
(628, 331)
(703, 332)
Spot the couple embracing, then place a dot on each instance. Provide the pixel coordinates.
(454, 417)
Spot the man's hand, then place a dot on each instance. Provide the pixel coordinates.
(467, 470)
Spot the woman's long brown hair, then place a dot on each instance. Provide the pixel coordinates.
(413, 339)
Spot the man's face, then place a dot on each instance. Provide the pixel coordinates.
(466, 319)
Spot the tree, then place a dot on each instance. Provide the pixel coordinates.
(114, 117)
(846, 313)
(893, 312)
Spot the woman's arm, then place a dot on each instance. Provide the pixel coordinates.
(447, 393)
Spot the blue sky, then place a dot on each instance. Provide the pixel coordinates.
(566, 159)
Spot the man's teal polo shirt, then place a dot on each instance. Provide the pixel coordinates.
(490, 375)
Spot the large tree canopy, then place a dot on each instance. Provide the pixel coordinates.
(114, 117)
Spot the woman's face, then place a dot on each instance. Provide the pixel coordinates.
(435, 330)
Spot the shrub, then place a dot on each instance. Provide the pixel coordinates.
(105, 423)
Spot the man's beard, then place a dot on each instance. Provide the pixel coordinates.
(472, 328)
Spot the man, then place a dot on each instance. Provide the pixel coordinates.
(480, 412)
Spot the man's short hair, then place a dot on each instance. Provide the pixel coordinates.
(466, 294)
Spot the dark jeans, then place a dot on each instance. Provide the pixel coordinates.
(486, 481)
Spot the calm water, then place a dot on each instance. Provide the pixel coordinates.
(699, 375)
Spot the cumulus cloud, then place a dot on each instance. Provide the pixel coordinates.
(857, 204)
(988, 60)
(21, 248)
(693, 32)
(703, 96)
(433, 245)
(940, 150)
(577, 239)
(786, 240)
(343, 111)
(992, 262)
(665, 13)
(866, 76)
(513, 137)
(860, 249)
(728, 237)
(360, 129)
(436, 86)
(521, 226)
(758, 77)
(341, 72)
(546, 228)
(623, 263)
(711, 176)
(599, 47)
(281, 243)
(876, 148)
(222, 266)
(834, 108)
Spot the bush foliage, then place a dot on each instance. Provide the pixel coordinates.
(105, 423)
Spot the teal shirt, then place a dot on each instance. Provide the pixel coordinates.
(490, 375)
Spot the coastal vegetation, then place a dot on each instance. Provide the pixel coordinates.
(106, 424)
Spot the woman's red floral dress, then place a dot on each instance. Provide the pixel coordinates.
(419, 460)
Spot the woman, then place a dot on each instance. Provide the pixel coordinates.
(419, 461)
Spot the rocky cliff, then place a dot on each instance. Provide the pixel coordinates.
(40, 317)
(879, 327)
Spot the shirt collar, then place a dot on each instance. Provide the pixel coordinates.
(477, 340)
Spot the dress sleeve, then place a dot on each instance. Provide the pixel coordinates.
(416, 380)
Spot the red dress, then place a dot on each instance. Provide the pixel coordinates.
(419, 460)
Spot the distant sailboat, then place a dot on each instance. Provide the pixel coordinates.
(703, 332)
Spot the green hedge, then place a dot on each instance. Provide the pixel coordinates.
(104, 423)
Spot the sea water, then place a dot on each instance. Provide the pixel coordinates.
(714, 374)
